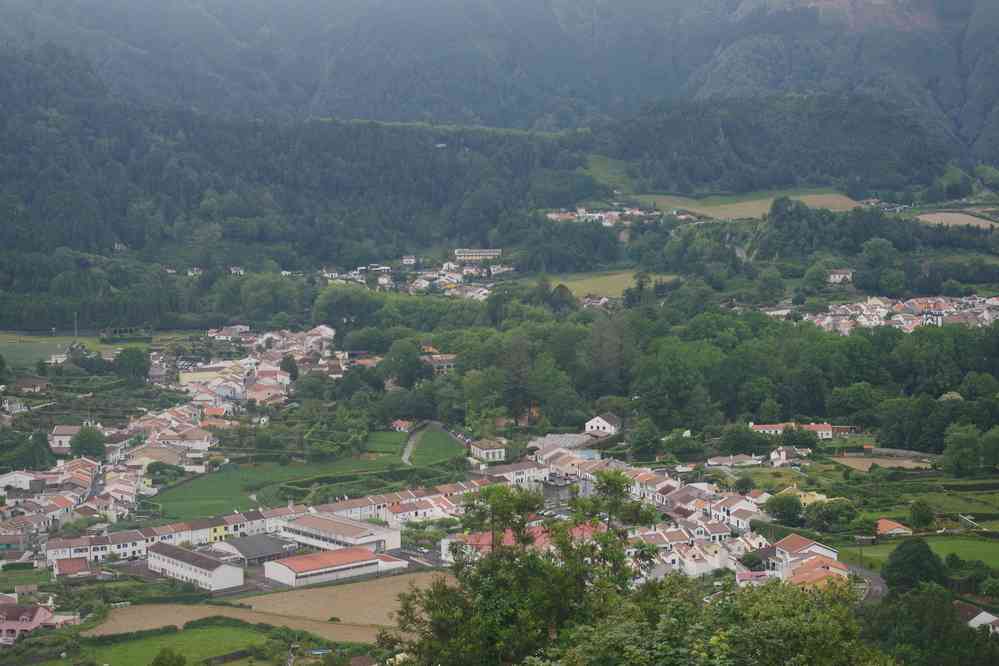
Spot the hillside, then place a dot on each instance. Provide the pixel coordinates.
(542, 64)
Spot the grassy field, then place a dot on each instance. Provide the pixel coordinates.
(435, 446)
(610, 171)
(25, 350)
(753, 204)
(196, 644)
(386, 442)
(8, 579)
(223, 492)
(610, 284)
(967, 548)
(952, 219)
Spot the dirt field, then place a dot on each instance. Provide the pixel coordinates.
(730, 208)
(137, 618)
(363, 608)
(343, 601)
(956, 220)
(864, 464)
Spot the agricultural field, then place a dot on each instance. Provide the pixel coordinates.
(386, 442)
(610, 171)
(196, 644)
(230, 490)
(8, 579)
(752, 205)
(611, 285)
(434, 446)
(865, 464)
(967, 548)
(955, 219)
(23, 351)
(321, 603)
(153, 616)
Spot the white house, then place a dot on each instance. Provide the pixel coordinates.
(60, 438)
(488, 450)
(605, 425)
(188, 566)
(840, 276)
(793, 550)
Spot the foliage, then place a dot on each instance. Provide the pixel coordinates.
(910, 564)
(921, 514)
(785, 509)
(89, 442)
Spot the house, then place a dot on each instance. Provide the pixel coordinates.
(17, 620)
(442, 364)
(788, 455)
(60, 437)
(409, 260)
(401, 425)
(13, 406)
(887, 527)
(792, 551)
(819, 571)
(488, 450)
(526, 474)
(330, 565)
(605, 425)
(72, 567)
(181, 564)
(840, 276)
(31, 385)
(975, 617)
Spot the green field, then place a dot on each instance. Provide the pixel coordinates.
(196, 644)
(610, 171)
(749, 205)
(611, 284)
(8, 579)
(435, 446)
(25, 350)
(386, 442)
(227, 491)
(967, 548)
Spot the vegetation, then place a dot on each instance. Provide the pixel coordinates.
(434, 446)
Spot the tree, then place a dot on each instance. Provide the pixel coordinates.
(289, 365)
(403, 362)
(89, 442)
(742, 439)
(962, 450)
(644, 438)
(169, 657)
(990, 449)
(912, 563)
(3, 369)
(770, 286)
(785, 509)
(921, 514)
(831, 516)
(132, 364)
(744, 484)
(815, 278)
(990, 588)
(753, 562)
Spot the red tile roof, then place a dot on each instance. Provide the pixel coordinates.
(327, 559)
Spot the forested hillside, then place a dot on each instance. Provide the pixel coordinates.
(743, 144)
(542, 64)
(81, 171)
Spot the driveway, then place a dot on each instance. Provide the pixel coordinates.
(876, 587)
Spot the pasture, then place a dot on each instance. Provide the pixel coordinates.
(967, 548)
(8, 579)
(386, 442)
(435, 446)
(196, 644)
(610, 284)
(955, 219)
(751, 205)
(229, 490)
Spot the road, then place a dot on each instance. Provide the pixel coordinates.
(876, 587)
(410, 445)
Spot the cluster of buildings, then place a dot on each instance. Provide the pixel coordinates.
(623, 216)
(36, 503)
(469, 274)
(906, 315)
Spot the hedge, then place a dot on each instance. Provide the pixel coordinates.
(19, 566)
(114, 639)
(180, 598)
(970, 487)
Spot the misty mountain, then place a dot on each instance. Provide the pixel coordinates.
(542, 64)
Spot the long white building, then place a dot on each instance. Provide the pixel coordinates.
(188, 566)
(330, 565)
(332, 533)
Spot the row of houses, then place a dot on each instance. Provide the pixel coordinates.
(907, 315)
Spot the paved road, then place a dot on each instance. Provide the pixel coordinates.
(410, 444)
(876, 584)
